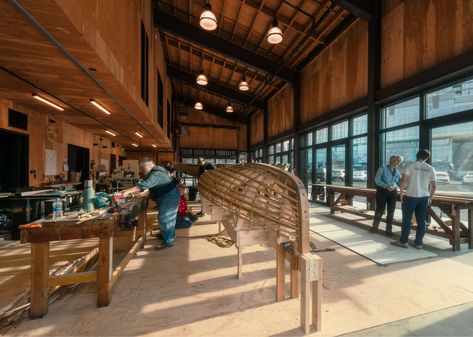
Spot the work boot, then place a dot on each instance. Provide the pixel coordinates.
(399, 244)
(389, 230)
(163, 246)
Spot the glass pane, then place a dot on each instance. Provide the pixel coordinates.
(321, 136)
(278, 148)
(271, 159)
(360, 169)
(449, 100)
(360, 125)
(285, 146)
(285, 159)
(306, 165)
(338, 165)
(277, 160)
(271, 149)
(340, 130)
(292, 144)
(404, 142)
(401, 113)
(452, 158)
(320, 174)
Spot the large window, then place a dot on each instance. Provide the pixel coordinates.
(282, 152)
(452, 158)
(401, 113)
(449, 100)
(404, 142)
(340, 130)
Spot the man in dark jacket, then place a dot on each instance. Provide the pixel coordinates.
(204, 165)
(162, 189)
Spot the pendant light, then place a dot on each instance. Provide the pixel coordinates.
(243, 86)
(208, 21)
(198, 106)
(274, 35)
(229, 108)
(48, 102)
(201, 78)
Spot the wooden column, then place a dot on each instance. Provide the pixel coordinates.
(265, 133)
(374, 71)
(296, 122)
(104, 273)
(294, 272)
(280, 272)
(39, 279)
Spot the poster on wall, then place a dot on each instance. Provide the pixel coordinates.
(50, 167)
(104, 164)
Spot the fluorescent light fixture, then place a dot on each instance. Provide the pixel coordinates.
(101, 107)
(243, 86)
(44, 100)
(229, 108)
(134, 144)
(201, 79)
(198, 106)
(274, 35)
(110, 133)
(208, 21)
(154, 145)
(138, 134)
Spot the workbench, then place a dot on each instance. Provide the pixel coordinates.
(453, 228)
(103, 226)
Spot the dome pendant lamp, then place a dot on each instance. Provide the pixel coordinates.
(274, 35)
(243, 86)
(198, 106)
(208, 21)
(201, 78)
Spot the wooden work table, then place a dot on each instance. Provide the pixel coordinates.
(453, 228)
(103, 225)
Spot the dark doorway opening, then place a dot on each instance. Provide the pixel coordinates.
(113, 163)
(78, 161)
(13, 161)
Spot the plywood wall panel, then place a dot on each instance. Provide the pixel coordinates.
(418, 34)
(281, 112)
(210, 138)
(242, 139)
(338, 75)
(257, 125)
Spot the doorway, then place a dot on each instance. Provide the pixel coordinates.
(78, 161)
(14, 161)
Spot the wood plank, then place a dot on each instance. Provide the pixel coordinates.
(74, 278)
(104, 274)
(280, 272)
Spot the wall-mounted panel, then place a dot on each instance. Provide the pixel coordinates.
(418, 34)
(281, 112)
(338, 75)
(257, 125)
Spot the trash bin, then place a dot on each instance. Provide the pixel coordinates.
(193, 193)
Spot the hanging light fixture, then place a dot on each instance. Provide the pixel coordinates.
(134, 144)
(198, 106)
(110, 133)
(201, 78)
(274, 35)
(138, 134)
(48, 102)
(208, 21)
(243, 86)
(229, 108)
(154, 145)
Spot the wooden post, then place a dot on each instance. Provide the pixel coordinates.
(470, 228)
(306, 294)
(331, 198)
(456, 228)
(317, 298)
(240, 261)
(39, 279)
(280, 272)
(104, 274)
(294, 272)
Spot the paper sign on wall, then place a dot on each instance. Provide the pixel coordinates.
(50, 166)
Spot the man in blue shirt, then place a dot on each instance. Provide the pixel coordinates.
(387, 182)
(162, 189)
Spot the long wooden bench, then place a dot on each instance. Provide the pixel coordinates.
(262, 204)
(452, 228)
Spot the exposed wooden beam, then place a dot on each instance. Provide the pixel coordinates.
(336, 32)
(214, 110)
(220, 45)
(214, 87)
(360, 8)
(215, 126)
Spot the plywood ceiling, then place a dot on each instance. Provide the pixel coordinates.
(245, 23)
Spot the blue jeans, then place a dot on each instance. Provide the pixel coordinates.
(167, 213)
(409, 206)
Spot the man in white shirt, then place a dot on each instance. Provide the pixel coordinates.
(419, 180)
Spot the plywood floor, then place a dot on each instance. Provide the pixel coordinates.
(192, 290)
